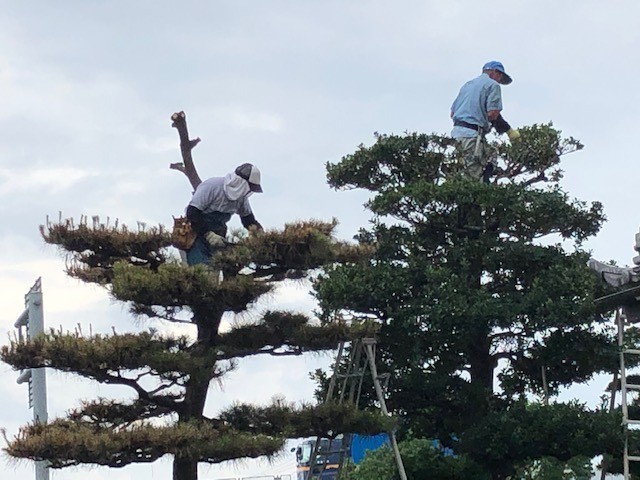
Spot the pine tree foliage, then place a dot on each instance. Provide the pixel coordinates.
(112, 434)
(473, 282)
(168, 416)
(65, 443)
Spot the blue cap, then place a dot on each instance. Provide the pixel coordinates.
(498, 66)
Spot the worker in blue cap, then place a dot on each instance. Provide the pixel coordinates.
(475, 111)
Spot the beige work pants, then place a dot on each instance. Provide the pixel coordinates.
(472, 165)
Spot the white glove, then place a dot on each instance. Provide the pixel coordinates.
(513, 135)
(214, 239)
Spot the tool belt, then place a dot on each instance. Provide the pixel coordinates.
(477, 128)
(182, 237)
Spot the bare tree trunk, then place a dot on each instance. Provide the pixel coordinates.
(187, 167)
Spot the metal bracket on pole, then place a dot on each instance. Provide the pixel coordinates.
(25, 376)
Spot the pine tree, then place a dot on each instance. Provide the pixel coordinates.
(170, 374)
(473, 282)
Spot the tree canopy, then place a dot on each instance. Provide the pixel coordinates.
(481, 290)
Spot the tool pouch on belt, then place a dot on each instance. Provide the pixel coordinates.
(477, 151)
(182, 236)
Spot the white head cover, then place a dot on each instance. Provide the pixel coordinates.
(235, 187)
(251, 174)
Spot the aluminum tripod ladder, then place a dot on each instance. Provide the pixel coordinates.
(345, 386)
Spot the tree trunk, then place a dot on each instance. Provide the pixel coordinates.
(481, 361)
(482, 365)
(185, 468)
(480, 358)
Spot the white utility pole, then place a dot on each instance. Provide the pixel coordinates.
(32, 320)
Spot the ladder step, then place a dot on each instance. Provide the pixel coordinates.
(631, 386)
(633, 458)
(631, 422)
(632, 351)
(348, 375)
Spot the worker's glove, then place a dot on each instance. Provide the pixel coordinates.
(214, 239)
(513, 135)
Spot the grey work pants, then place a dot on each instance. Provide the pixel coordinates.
(472, 165)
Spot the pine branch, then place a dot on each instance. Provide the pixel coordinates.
(103, 357)
(93, 250)
(297, 247)
(175, 285)
(110, 413)
(326, 420)
(66, 443)
(282, 333)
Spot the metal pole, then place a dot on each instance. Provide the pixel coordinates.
(33, 319)
(332, 382)
(368, 343)
(36, 327)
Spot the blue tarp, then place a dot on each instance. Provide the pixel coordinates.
(361, 443)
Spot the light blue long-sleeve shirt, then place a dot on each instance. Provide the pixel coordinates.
(476, 98)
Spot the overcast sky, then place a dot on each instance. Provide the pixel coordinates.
(87, 89)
